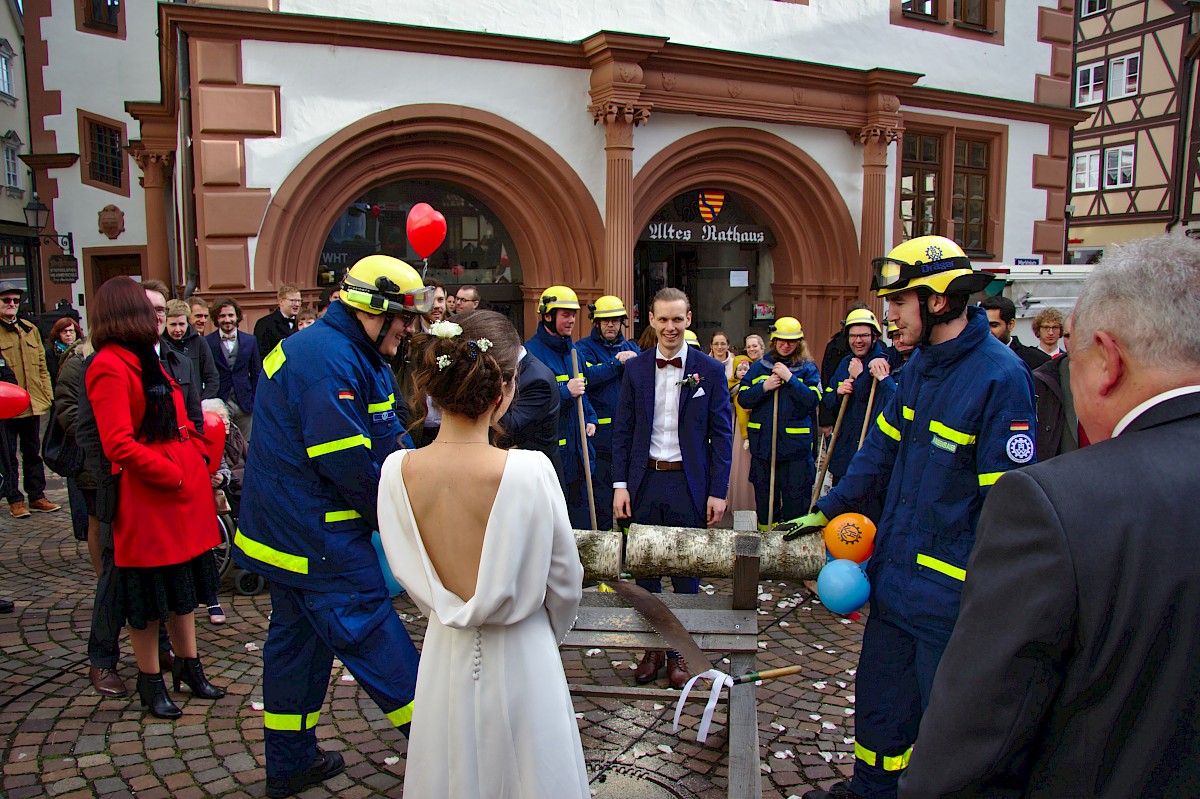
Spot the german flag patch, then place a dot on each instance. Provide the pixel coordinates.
(1020, 426)
(345, 394)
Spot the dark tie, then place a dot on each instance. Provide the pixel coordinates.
(677, 362)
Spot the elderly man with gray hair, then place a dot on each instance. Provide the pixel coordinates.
(1074, 667)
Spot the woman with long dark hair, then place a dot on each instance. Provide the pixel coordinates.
(164, 526)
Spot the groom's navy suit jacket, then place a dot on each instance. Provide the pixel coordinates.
(705, 427)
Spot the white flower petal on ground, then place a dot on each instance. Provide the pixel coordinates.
(761, 597)
(774, 724)
(656, 705)
(256, 705)
(616, 664)
(844, 621)
(393, 760)
(818, 646)
(781, 624)
(820, 685)
(666, 750)
(847, 740)
(849, 711)
(579, 716)
(251, 646)
(850, 699)
(841, 684)
(826, 755)
(765, 767)
(761, 644)
(347, 678)
(828, 725)
(852, 672)
(591, 653)
(812, 716)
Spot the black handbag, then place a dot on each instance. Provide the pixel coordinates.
(59, 450)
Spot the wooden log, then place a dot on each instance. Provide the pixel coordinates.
(653, 550)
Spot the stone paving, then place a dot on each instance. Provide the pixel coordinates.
(59, 738)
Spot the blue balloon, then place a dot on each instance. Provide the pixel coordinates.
(394, 588)
(843, 587)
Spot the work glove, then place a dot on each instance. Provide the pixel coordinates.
(813, 522)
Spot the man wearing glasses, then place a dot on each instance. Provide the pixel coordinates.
(466, 299)
(22, 351)
(279, 323)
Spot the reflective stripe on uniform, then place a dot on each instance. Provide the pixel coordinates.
(893, 763)
(401, 716)
(317, 450)
(759, 379)
(342, 515)
(562, 442)
(562, 378)
(908, 412)
(272, 362)
(941, 566)
(796, 430)
(270, 555)
(950, 433)
(754, 425)
(989, 478)
(604, 420)
(376, 407)
(290, 722)
(816, 389)
(887, 428)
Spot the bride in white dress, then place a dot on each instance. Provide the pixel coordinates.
(480, 539)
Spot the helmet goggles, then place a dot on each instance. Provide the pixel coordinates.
(893, 274)
(387, 297)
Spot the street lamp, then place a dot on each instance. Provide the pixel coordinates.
(36, 217)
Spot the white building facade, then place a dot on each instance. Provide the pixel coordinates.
(756, 153)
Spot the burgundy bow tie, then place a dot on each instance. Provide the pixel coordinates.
(677, 362)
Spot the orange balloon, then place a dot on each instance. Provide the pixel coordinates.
(850, 536)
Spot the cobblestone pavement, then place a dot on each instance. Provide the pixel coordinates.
(59, 738)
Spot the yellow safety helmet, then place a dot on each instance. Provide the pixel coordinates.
(558, 297)
(893, 328)
(607, 307)
(787, 328)
(691, 339)
(380, 284)
(862, 316)
(932, 262)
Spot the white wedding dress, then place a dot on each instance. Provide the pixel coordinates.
(493, 717)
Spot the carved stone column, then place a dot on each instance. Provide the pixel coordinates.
(882, 129)
(619, 235)
(156, 169)
(616, 89)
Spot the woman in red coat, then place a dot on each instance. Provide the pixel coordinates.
(165, 524)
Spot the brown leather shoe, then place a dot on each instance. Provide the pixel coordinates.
(677, 672)
(647, 670)
(19, 510)
(44, 505)
(107, 682)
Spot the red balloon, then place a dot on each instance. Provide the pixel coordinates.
(426, 229)
(14, 400)
(214, 431)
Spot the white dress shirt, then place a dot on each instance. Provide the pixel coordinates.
(664, 433)
(1150, 403)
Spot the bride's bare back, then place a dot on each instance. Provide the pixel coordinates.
(451, 489)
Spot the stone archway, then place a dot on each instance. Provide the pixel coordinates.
(816, 250)
(546, 208)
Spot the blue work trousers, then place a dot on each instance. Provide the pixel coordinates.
(308, 629)
(793, 488)
(892, 686)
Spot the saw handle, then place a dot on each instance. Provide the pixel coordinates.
(769, 674)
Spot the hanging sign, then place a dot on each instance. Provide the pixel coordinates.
(64, 269)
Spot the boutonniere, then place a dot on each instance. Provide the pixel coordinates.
(690, 382)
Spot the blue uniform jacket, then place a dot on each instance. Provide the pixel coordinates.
(555, 352)
(324, 423)
(856, 411)
(598, 359)
(798, 398)
(963, 415)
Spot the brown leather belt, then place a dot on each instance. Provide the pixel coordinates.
(664, 466)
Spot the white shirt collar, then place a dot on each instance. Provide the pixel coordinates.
(1128, 418)
(681, 355)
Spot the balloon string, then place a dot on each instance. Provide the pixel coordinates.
(424, 268)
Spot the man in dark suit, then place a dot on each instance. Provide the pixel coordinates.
(238, 362)
(672, 444)
(1074, 668)
(532, 419)
(279, 323)
(1002, 318)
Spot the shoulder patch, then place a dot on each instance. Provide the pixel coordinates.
(346, 394)
(1020, 448)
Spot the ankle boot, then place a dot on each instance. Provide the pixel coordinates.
(191, 672)
(153, 692)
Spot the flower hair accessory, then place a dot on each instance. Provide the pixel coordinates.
(476, 347)
(445, 329)
(443, 361)
(484, 344)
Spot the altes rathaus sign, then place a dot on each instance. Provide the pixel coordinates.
(704, 234)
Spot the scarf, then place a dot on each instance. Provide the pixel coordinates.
(160, 422)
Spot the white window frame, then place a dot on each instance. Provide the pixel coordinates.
(6, 82)
(1095, 87)
(1124, 154)
(12, 168)
(1089, 8)
(1119, 73)
(1087, 166)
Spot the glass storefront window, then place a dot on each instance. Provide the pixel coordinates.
(477, 250)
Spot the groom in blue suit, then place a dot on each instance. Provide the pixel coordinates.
(672, 443)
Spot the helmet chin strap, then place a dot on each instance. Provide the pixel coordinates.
(956, 304)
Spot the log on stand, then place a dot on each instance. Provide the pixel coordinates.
(727, 625)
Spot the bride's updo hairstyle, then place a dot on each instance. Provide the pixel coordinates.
(464, 372)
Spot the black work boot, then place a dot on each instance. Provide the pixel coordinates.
(324, 766)
(839, 790)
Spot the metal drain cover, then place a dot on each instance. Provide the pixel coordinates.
(631, 782)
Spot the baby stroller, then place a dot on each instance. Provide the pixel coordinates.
(244, 582)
